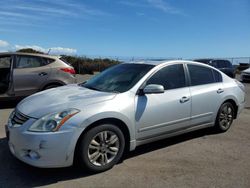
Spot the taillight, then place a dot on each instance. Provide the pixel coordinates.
(240, 85)
(69, 70)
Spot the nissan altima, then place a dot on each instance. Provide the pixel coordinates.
(130, 104)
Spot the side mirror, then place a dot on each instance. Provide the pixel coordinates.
(153, 89)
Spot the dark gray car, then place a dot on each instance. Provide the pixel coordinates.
(224, 66)
(22, 74)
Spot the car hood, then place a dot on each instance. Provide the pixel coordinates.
(247, 71)
(61, 98)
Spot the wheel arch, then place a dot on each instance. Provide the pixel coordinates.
(235, 106)
(115, 121)
(59, 83)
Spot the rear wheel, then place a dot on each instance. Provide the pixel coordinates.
(225, 117)
(101, 148)
(51, 86)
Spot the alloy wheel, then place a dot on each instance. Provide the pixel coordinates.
(103, 148)
(226, 117)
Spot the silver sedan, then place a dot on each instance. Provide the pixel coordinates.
(96, 122)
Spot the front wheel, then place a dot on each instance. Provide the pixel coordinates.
(225, 117)
(101, 148)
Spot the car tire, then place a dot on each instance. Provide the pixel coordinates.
(224, 117)
(101, 148)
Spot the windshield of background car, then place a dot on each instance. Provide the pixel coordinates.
(221, 64)
(119, 78)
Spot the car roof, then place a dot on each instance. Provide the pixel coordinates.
(30, 54)
(156, 63)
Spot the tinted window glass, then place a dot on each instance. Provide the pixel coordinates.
(47, 61)
(29, 62)
(221, 64)
(5, 62)
(170, 77)
(217, 76)
(200, 75)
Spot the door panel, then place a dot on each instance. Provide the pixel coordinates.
(29, 75)
(206, 91)
(166, 112)
(206, 100)
(6, 67)
(160, 113)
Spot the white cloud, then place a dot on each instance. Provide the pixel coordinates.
(60, 50)
(156, 4)
(164, 6)
(3, 44)
(41, 12)
(52, 50)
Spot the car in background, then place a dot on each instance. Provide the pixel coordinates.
(223, 65)
(23, 74)
(245, 75)
(127, 105)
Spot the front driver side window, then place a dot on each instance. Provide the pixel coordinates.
(170, 77)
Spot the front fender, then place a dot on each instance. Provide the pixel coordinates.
(107, 115)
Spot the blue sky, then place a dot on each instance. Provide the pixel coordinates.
(128, 28)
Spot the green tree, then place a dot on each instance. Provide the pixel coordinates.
(30, 50)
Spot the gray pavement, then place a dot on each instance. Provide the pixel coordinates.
(198, 159)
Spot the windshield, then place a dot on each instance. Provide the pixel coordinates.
(222, 64)
(119, 78)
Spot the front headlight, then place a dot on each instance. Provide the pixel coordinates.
(10, 118)
(52, 122)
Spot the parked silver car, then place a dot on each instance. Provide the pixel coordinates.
(23, 74)
(121, 108)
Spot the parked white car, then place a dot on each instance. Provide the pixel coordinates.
(245, 75)
(121, 108)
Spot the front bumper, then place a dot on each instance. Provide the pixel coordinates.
(44, 150)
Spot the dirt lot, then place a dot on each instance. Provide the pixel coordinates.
(199, 159)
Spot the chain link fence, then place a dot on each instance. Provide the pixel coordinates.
(91, 65)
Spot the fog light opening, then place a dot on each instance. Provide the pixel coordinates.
(33, 155)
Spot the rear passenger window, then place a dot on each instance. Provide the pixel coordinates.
(217, 76)
(47, 61)
(29, 62)
(200, 75)
(170, 77)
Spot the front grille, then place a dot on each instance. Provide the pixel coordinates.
(19, 118)
(246, 76)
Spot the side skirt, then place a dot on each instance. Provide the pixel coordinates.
(172, 134)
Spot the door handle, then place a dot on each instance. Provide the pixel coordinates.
(184, 99)
(42, 74)
(220, 91)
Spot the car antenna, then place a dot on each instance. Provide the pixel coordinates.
(49, 51)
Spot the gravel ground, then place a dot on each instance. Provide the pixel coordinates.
(198, 159)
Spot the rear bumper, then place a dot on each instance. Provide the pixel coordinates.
(241, 106)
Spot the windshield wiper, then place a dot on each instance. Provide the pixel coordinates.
(114, 91)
